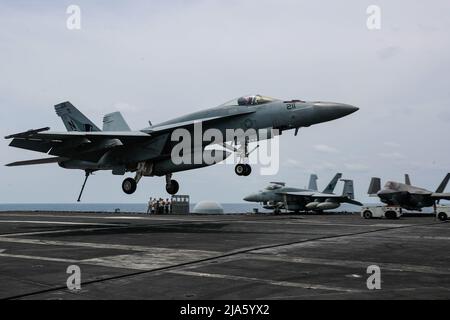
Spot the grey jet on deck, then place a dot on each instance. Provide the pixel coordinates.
(407, 196)
(147, 152)
(278, 196)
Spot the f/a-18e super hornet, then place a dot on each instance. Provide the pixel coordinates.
(278, 196)
(407, 196)
(147, 152)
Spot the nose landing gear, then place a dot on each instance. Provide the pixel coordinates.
(243, 169)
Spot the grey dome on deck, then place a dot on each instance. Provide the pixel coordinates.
(208, 207)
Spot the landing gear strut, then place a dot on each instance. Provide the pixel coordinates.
(242, 169)
(129, 185)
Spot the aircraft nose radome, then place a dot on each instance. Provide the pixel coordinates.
(251, 198)
(347, 108)
(342, 110)
(336, 110)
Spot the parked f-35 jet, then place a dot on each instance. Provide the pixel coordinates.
(407, 196)
(147, 152)
(278, 196)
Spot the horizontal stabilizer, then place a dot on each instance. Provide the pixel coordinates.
(115, 122)
(374, 187)
(440, 196)
(28, 133)
(37, 161)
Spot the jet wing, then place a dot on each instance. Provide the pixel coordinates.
(319, 195)
(338, 198)
(169, 127)
(351, 201)
(88, 145)
(95, 135)
(41, 140)
(303, 194)
(443, 196)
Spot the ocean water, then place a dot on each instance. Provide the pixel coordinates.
(230, 208)
(111, 207)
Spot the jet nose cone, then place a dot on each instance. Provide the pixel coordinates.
(252, 198)
(333, 110)
(341, 109)
(346, 109)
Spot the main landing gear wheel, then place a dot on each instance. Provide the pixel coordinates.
(129, 185)
(172, 187)
(243, 169)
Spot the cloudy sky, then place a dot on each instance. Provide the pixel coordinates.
(154, 60)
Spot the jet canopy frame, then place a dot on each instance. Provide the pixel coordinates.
(249, 100)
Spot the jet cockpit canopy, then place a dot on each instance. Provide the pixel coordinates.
(392, 185)
(273, 187)
(249, 100)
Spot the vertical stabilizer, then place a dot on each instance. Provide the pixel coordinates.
(115, 122)
(348, 190)
(407, 180)
(73, 119)
(374, 187)
(313, 182)
(330, 187)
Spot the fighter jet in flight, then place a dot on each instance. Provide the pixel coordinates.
(277, 196)
(407, 196)
(148, 152)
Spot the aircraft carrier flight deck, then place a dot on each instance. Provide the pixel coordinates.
(135, 256)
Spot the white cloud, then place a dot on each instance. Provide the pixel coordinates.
(324, 148)
(356, 167)
(324, 165)
(392, 144)
(392, 155)
(294, 163)
(126, 107)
